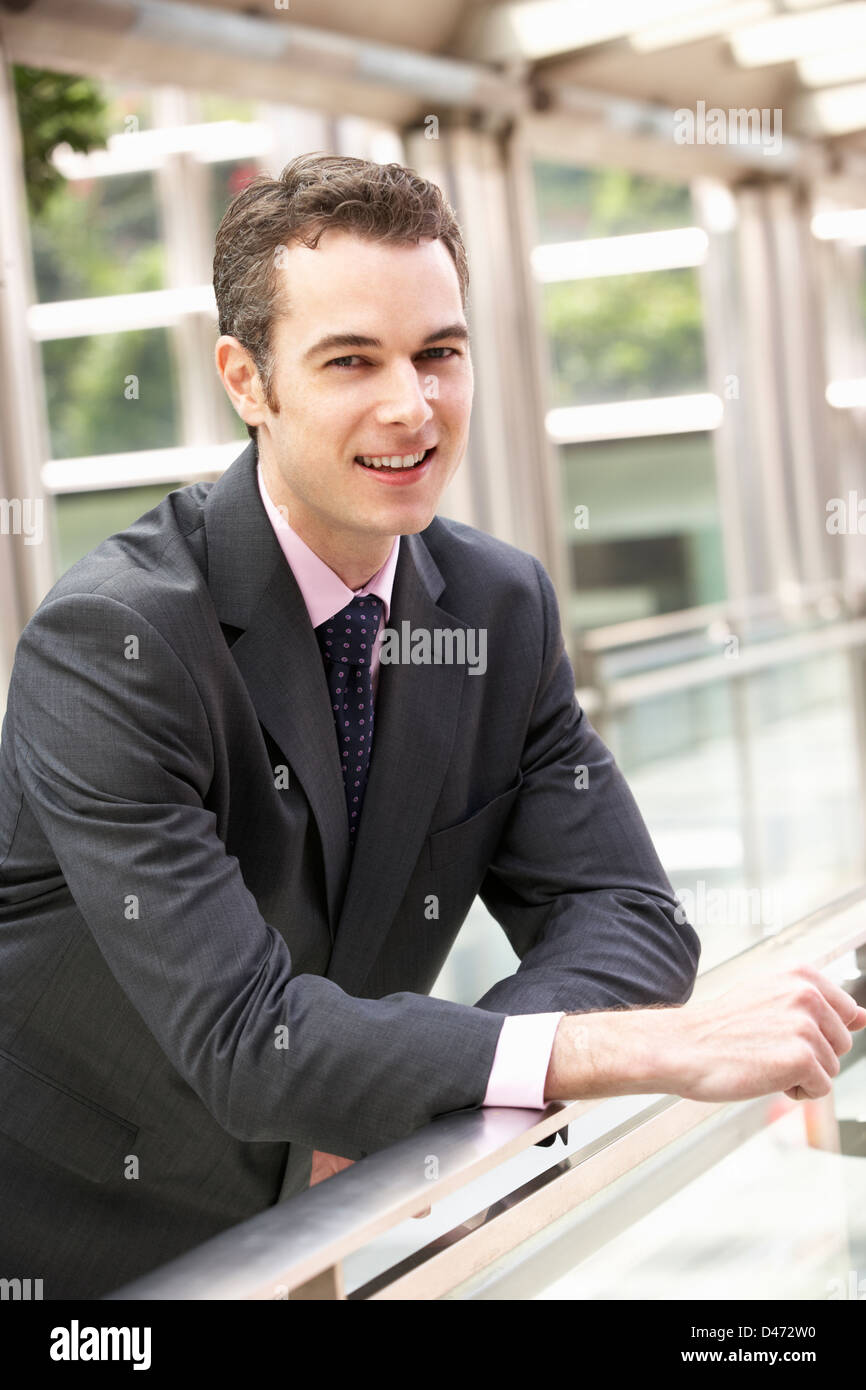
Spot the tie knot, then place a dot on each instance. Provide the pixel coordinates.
(347, 638)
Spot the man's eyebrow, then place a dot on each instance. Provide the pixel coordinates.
(358, 340)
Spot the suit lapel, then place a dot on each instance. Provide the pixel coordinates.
(416, 717)
(417, 709)
(277, 654)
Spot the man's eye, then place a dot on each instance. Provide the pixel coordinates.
(346, 363)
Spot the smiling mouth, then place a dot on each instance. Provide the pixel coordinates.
(396, 463)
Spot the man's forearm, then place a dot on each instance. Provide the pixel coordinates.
(601, 1054)
(782, 1032)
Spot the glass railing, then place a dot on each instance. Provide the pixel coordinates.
(748, 763)
(766, 1203)
(747, 757)
(775, 1183)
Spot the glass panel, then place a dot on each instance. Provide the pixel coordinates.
(679, 755)
(653, 543)
(651, 540)
(86, 518)
(752, 833)
(625, 337)
(574, 203)
(808, 812)
(88, 380)
(779, 1216)
(99, 236)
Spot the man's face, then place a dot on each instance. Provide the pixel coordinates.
(406, 391)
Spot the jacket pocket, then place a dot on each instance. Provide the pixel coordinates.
(475, 837)
(59, 1125)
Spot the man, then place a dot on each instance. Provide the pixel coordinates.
(237, 843)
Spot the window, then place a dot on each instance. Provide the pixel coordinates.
(621, 307)
(649, 540)
(111, 392)
(99, 236)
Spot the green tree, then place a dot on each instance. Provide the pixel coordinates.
(626, 336)
(55, 108)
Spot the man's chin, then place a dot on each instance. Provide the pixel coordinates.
(413, 524)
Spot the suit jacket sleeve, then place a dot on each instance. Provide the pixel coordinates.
(115, 755)
(576, 883)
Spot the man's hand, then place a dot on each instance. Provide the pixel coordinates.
(326, 1165)
(783, 1033)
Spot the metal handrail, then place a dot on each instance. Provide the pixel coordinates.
(296, 1248)
(624, 691)
(638, 631)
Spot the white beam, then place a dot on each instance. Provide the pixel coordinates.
(578, 424)
(620, 255)
(118, 313)
(138, 468)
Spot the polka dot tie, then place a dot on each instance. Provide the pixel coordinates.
(346, 641)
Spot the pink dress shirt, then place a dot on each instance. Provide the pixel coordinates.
(526, 1041)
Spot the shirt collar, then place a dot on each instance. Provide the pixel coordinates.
(323, 591)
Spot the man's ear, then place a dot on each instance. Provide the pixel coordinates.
(239, 375)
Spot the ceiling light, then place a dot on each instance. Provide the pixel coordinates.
(833, 111)
(544, 27)
(840, 224)
(847, 395)
(687, 28)
(839, 65)
(789, 37)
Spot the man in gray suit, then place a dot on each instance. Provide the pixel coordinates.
(214, 969)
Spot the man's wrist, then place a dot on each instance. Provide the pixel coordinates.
(615, 1053)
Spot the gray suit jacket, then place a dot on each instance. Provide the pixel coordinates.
(197, 987)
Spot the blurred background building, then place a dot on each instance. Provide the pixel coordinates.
(664, 205)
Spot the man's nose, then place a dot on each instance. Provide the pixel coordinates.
(403, 401)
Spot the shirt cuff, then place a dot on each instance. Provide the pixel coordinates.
(521, 1061)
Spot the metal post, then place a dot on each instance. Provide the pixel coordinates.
(26, 563)
(511, 489)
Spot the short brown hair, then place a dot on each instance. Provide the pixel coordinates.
(386, 202)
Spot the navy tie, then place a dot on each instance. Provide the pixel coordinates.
(346, 642)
